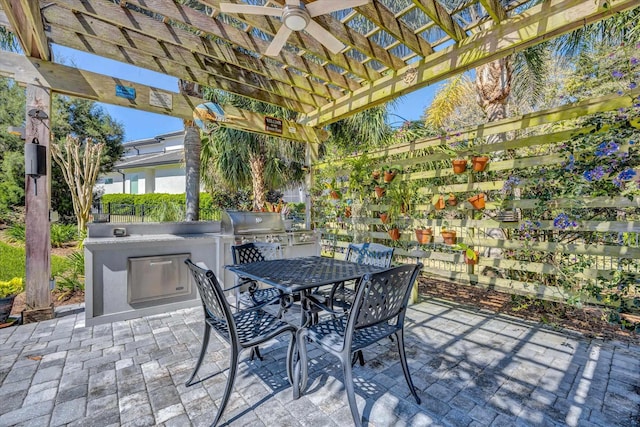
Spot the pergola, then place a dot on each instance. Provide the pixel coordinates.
(391, 48)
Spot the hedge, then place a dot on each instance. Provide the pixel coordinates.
(155, 199)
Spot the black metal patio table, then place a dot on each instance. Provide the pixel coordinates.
(294, 275)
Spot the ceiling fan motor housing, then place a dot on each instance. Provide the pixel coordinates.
(295, 18)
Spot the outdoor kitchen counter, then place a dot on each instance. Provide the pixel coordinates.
(143, 272)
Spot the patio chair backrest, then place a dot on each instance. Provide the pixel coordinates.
(370, 254)
(214, 302)
(382, 296)
(256, 251)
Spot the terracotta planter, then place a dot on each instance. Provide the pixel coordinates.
(6, 304)
(347, 211)
(449, 237)
(424, 235)
(479, 163)
(394, 233)
(334, 195)
(375, 174)
(440, 203)
(388, 176)
(379, 191)
(470, 261)
(384, 217)
(452, 201)
(477, 201)
(459, 166)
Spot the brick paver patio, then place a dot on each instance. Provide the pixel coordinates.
(472, 368)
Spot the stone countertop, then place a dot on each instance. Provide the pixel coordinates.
(146, 238)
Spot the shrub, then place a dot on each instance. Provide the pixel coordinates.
(16, 233)
(11, 287)
(61, 234)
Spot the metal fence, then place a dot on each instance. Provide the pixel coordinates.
(122, 212)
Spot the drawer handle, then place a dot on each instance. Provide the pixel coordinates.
(151, 264)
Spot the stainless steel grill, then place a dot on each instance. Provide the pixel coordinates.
(245, 227)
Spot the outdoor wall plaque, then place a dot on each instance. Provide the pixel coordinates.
(271, 124)
(158, 98)
(126, 92)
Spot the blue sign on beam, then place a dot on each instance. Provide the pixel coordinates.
(126, 92)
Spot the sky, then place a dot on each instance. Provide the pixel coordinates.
(141, 124)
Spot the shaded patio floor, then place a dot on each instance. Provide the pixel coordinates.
(472, 368)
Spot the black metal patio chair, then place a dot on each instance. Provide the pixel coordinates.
(254, 252)
(242, 330)
(378, 311)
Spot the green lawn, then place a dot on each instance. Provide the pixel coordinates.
(12, 262)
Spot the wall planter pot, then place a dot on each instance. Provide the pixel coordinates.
(424, 235)
(6, 304)
(388, 176)
(334, 195)
(394, 233)
(439, 203)
(459, 165)
(384, 217)
(449, 237)
(452, 201)
(379, 191)
(479, 163)
(477, 201)
(375, 174)
(469, 260)
(347, 211)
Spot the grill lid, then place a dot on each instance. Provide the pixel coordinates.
(243, 222)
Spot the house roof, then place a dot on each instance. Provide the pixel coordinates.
(158, 139)
(151, 159)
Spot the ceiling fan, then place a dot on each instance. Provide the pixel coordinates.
(297, 16)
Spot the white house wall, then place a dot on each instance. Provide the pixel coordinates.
(170, 180)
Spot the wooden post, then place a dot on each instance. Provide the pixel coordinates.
(37, 203)
(311, 157)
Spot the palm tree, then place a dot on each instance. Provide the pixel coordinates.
(192, 148)
(8, 41)
(236, 159)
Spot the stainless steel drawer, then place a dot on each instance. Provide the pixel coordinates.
(157, 277)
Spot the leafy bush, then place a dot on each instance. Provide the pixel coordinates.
(167, 212)
(61, 234)
(16, 233)
(11, 287)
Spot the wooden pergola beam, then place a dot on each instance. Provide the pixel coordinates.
(385, 19)
(542, 22)
(303, 41)
(26, 23)
(84, 84)
(495, 10)
(164, 31)
(441, 17)
(82, 32)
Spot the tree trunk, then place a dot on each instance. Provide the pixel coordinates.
(493, 86)
(257, 164)
(192, 147)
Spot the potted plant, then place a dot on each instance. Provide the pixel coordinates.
(470, 255)
(477, 201)
(479, 162)
(334, 193)
(424, 235)
(380, 191)
(390, 172)
(8, 291)
(452, 201)
(438, 201)
(384, 217)
(449, 236)
(375, 174)
(394, 232)
(459, 165)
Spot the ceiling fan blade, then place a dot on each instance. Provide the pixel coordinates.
(250, 9)
(278, 41)
(324, 37)
(322, 7)
(293, 2)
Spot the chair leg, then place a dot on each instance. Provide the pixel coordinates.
(255, 352)
(233, 368)
(405, 366)
(203, 350)
(292, 358)
(357, 356)
(351, 393)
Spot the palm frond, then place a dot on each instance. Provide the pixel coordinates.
(450, 96)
